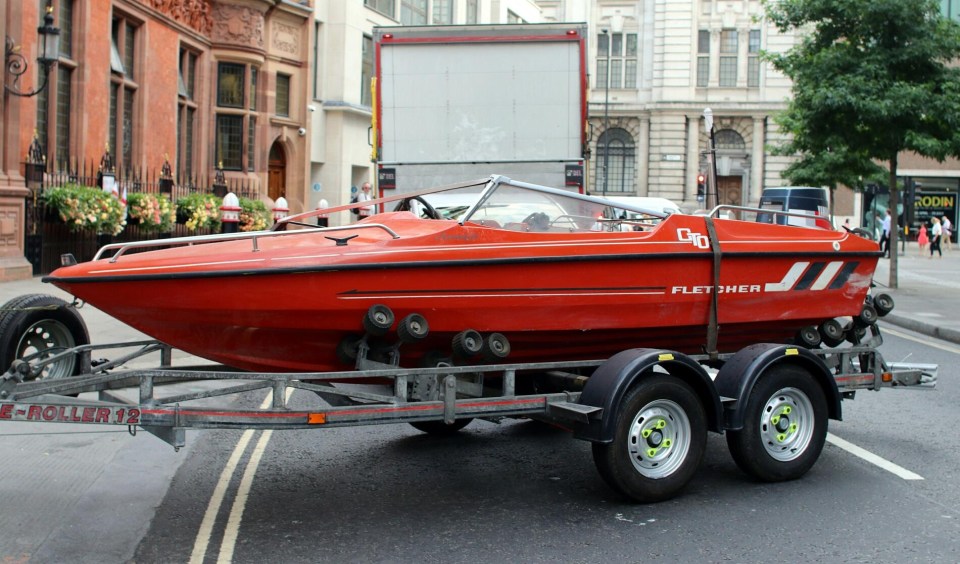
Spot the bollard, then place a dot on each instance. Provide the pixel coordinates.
(280, 209)
(323, 219)
(230, 213)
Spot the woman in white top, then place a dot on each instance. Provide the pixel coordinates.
(935, 235)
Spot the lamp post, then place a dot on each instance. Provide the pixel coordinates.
(714, 195)
(16, 63)
(606, 113)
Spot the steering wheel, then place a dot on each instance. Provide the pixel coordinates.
(537, 221)
(428, 209)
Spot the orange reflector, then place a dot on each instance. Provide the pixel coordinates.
(316, 418)
(886, 377)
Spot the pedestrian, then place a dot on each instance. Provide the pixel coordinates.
(365, 196)
(922, 239)
(935, 234)
(885, 235)
(947, 227)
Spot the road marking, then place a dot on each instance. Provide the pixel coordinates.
(213, 507)
(924, 341)
(220, 491)
(853, 449)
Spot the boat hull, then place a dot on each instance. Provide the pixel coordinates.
(564, 298)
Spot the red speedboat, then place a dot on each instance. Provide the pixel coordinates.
(555, 274)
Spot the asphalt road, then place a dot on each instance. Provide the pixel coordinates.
(523, 491)
(514, 491)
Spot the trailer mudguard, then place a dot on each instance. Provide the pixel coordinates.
(739, 374)
(611, 380)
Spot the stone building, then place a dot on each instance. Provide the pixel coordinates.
(195, 83)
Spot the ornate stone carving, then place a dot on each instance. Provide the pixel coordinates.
(196, 14)
(286, 38)
(238, 25)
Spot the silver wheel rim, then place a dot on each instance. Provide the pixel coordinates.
(48, 337)
(659, 439)
(786, 424)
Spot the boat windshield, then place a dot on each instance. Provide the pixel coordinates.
(520, 207)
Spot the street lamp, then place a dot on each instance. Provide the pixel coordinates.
(606, 112)
(16, 63)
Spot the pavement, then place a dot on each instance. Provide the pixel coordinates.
(926, 297)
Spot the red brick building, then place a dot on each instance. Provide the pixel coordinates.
(194, 82)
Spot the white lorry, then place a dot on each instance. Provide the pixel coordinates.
(454, 103)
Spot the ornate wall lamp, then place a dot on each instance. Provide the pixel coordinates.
(16, 63)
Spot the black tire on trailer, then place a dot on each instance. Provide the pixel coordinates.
(439, 428)
(868, 316)
(785, 426)
(809, 337)
(659, 440)
(467, 343)
(412, 328)
(883, 303)
(831, 331)
(37, 323)
(496, 347)
(378, 320)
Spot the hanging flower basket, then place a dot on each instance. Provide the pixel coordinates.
(151, 212)
(86, 208)
(199, 211)
(254, 215)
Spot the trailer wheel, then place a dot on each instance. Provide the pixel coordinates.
(467, 343)
(412, 328)
(831, 331)
(378, 320)
(785, 426)
(883, 303)
(439, 428)
(496, 347)
(39, 323)
(660, 437)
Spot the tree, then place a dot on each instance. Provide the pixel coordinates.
(871, 79)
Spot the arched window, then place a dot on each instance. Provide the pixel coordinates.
(730, 140)
(619, 159)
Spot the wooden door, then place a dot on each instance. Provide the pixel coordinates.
(277, 172)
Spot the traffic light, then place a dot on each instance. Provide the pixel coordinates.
(701, 186)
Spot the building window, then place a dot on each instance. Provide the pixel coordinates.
(619, 159)
(728, 139)
(442, 12)
(235, 125)
(251, 143)
(230, 142)
(366, 71)
(473, 11)
(123, 90)
(54, 102)
(753, 59)
(283, 95)
(187, 110)
(316, 61)
(728, 58)
(413, 12)
(703, 58)
(623, 60)
(385, 7)
(230, 83)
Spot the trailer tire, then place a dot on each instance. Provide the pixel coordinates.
(659, 440)
(378, 320)
(440, 428)
(785, 426)
(38, 322)
(412, 328)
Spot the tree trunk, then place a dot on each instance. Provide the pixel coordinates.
(894, 223)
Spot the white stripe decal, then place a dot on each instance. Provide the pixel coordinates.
(789, 280)
(827, 275)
